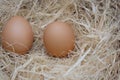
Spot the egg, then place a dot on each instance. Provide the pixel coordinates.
(17, 35)
(59, 39)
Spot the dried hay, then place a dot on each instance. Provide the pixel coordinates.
(97, 49)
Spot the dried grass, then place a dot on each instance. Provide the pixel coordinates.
(97, 48)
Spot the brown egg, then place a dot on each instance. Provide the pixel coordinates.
(17, 35)
(59, 39)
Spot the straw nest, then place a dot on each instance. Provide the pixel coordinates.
(96, 55)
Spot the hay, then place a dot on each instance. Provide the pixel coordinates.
(97, 48)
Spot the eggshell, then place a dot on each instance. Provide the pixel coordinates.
(17, 35)
(59, 39)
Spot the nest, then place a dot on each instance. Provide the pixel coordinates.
(96, 55)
